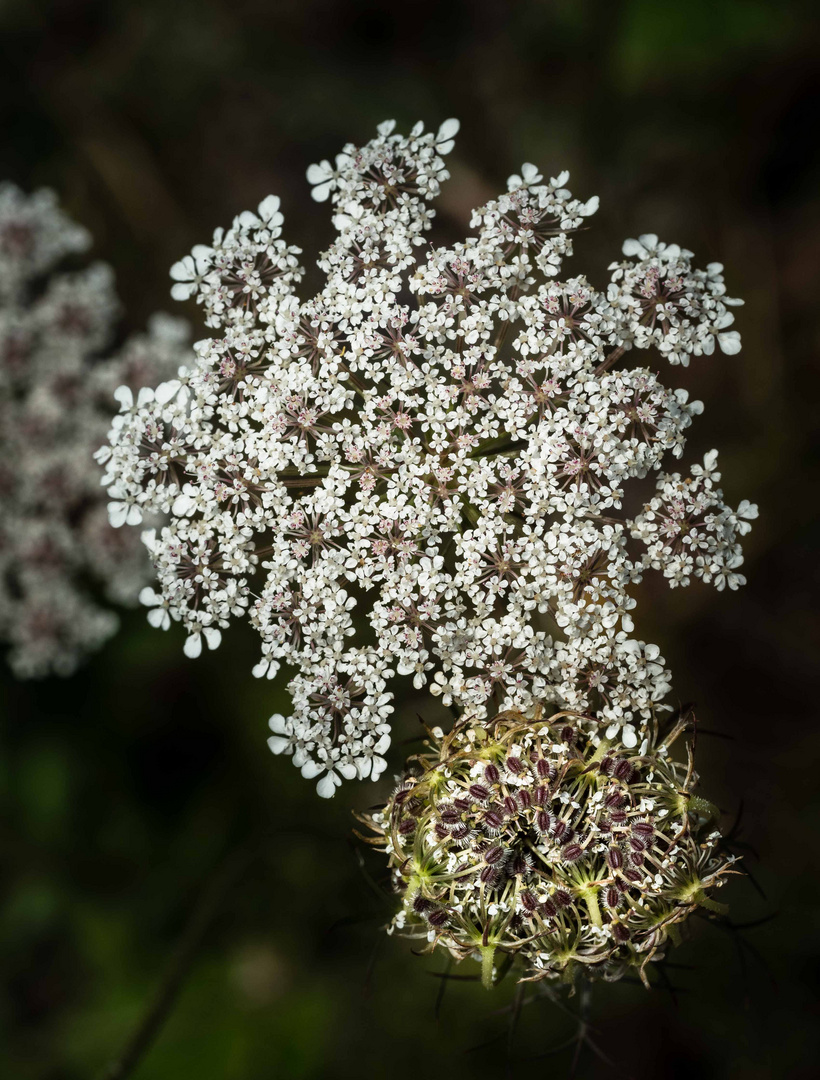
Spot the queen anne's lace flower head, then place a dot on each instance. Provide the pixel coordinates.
(440, 438)
(57, 549)
(521, 842)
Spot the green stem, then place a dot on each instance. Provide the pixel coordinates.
(590, 896)
(487, 957)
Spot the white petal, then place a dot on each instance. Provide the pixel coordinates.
(124, 396)
(386, 127)
(166, 390)
(248, 220)
(311, 769)
(326, 787)
(318, 174)
(447, 130)
(193, 646)
(182, 291)
(183, 270)
(212, 636)
(268, 207)
(321, 192)
(182, 504)
(278, 724)
(277, 744)
(158, 618)
(117, 513)
(747, 510)
(378, 767)
(729, 342)
(590, 206)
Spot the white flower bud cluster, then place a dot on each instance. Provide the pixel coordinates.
(439, 440)
(58, 553)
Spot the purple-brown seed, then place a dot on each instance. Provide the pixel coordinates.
(528, 900)
(614, 859)
(541, 794)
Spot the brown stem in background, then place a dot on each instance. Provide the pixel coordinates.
(200, 920)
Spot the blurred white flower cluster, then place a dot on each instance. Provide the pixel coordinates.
(440, 439)
(58, 554)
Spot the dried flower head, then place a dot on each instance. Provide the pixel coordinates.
(57, 549)
(521, 842)
(439, 439)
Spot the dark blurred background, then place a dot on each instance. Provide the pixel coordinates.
(124, 789)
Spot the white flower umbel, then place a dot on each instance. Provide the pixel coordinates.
(439, 440)
(58, 552)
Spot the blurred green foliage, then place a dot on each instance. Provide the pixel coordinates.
(122, 790)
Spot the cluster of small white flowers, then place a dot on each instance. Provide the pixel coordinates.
(57, 549)
(439, 438)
